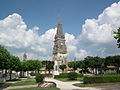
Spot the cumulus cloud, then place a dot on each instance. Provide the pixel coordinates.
(82, 54)
(96, 37)
(18, 39)
(98, 33)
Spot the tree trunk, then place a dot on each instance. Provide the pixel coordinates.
(117, 70)
(62, 71)
(27, 73)
(38, 71)
(20, 73)
(10, 74)
(49, 71)
(5, 74)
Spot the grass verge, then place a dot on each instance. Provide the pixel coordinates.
(36, 88)
(25, 82)
(96, 84)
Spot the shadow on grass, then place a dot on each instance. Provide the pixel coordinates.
(5, 85)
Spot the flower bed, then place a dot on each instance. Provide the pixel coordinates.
(47, 85)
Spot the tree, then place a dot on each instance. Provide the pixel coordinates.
(4, 58)
(117, 37)
(73, 65)
(49, 65)
(62, 67)
(113, 61)
(30, 65)
(96, 63)
(13, 64)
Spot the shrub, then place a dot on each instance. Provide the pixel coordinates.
(62, 75)
(101, 79)
(109, 74)
(72, 75)
(39, 78)
(80, 75)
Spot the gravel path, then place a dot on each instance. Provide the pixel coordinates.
(68, 85)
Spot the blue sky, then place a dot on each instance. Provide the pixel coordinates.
(29, 26)
(44, 13)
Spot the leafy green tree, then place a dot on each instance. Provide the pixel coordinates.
(23, 68)
(44, 64)
(30, 65)
(62, 67)
(13, 64)
(96, 63)
(73, 65)
(117, 37)
(49, 65)
(113, 61)
(4, 58)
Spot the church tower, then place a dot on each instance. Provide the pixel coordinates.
(59, 49)
(24, 57)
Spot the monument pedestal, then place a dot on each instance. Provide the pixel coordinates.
(56, 68)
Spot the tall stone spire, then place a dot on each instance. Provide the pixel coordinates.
(59, 49)
(59, 43)
(58, 19)
(59, 27)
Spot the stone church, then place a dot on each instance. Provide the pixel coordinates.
(59, 49)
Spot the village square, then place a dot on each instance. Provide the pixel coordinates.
(30, 60)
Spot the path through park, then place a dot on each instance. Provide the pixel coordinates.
(60, 84)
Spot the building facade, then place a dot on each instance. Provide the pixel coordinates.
(59, 49)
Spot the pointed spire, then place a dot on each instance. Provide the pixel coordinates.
(58, 19)
(59, 27)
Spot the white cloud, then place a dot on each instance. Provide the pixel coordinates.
(82, 54)
(71, 43)
(96, 36)
(98, 33)
(15, 36)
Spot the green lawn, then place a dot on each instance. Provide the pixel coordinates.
(36, 88)
(66, 79)
(96, 84)
(25, 82)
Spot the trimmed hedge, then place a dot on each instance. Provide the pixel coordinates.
(62, 75)
(80, 75)
(101, 79)
(65, 75)
(72, 75)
